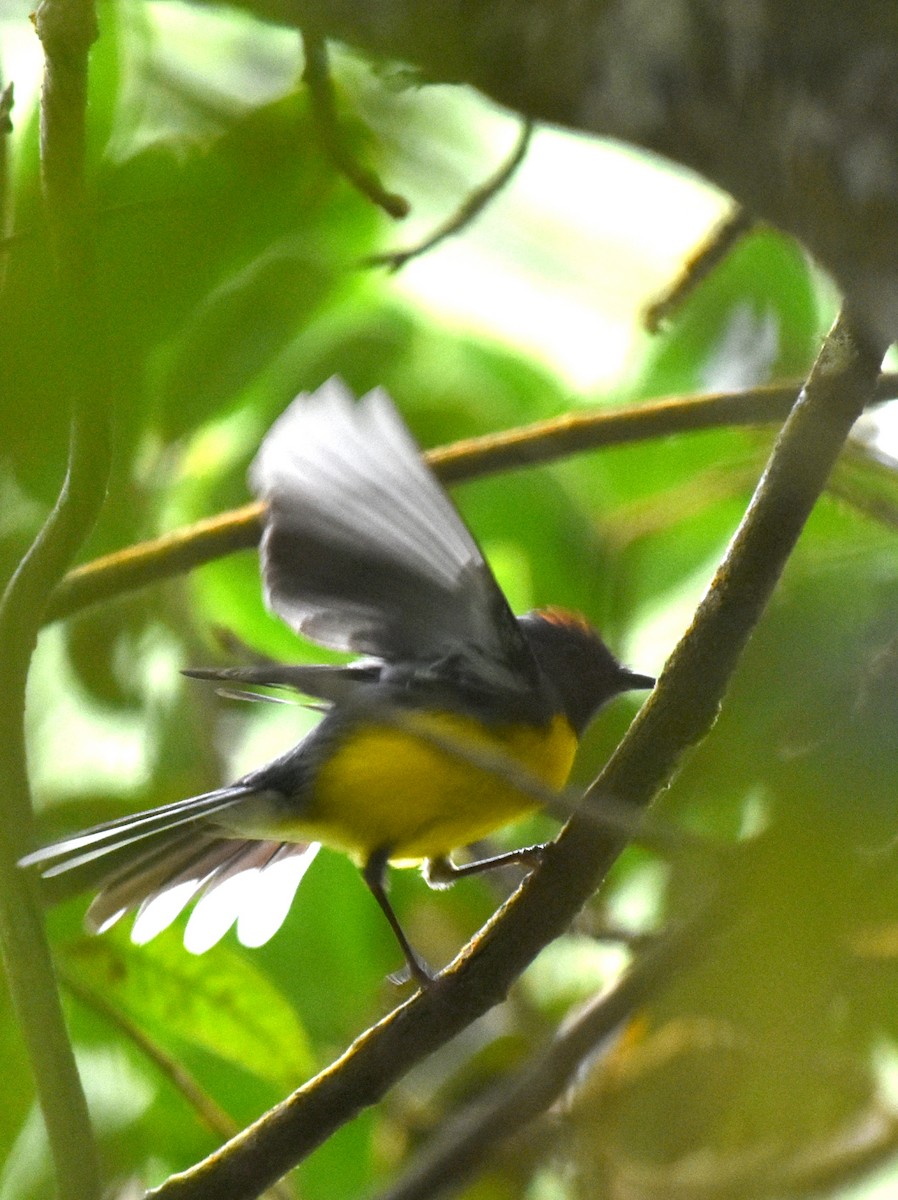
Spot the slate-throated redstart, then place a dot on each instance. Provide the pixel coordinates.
(362, 551)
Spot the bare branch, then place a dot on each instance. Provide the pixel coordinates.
(471, 1138)
(546, 441)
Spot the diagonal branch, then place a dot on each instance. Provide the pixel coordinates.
(698, 266)
(543, 442)
(468, 1140)
(681, 710)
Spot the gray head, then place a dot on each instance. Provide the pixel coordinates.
(577, 663)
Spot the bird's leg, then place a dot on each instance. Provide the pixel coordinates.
(442, 872)
(374, 873)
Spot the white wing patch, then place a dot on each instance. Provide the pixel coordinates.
(158, 912)
(267, 908)
(255, 893)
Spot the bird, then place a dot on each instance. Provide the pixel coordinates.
(362, 551)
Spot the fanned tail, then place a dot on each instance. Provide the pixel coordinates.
(157, 862)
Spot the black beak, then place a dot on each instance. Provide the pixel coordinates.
(633, 682)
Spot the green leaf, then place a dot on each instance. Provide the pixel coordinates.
(238, 330)
(219, 1002)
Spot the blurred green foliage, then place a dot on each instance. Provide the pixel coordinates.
(229, 251)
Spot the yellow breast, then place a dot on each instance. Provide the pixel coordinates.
(387, 787)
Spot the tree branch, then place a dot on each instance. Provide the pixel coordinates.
(67, 29)
(544, 442)
(681, 710)
(470, 1139)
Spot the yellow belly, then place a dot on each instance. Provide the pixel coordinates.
(386, 787)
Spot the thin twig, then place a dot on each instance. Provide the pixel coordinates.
(468, 211)
(208, 1110)
(681, 710)
(544, 442)
(698, 266)
(321, 92)
(67, 29)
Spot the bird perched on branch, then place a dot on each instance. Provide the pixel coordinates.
(457, 720)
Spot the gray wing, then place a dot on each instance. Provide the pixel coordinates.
(364, 551)
(333, 684)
